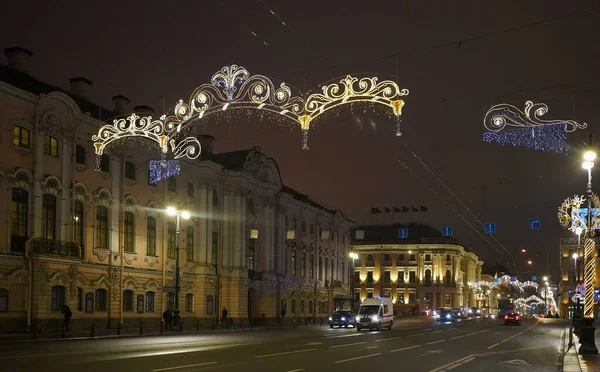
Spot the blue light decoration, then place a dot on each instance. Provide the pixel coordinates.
(403, 233)
(490, 227)
(534, 224)
(542, 138)
(447, 231)
(534, 278)
(162, 169)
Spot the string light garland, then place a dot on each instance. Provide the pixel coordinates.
(162, 169)
(233, 87)
(542, 138)
(499, 116)
(572, 217)
(505, 280)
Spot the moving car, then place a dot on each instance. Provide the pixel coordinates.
(342, 319)
(375, 313)
(445, 316)
(458, 313)
(512, 318)
(475, 311)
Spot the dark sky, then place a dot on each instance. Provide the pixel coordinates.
(457, 58)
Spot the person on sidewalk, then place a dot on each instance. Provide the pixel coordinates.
(224, 316)
(168, 318)
(283, 312)
(67, 314)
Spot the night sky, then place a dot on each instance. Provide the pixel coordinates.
(457, 58)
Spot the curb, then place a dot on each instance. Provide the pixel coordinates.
(571, 360)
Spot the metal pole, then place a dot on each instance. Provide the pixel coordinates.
(176, 311)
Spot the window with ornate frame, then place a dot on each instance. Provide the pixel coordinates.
(150, 297)
(50, 146)
(210, 305)
(151, 236)
(171, 239)
(78, 222)
(48, 216)
(19, 219)
(101, 299)
(21, 137)
(129, 232)
(57, 298)
(101, 227)
(189, 243)
(189, 302)
(127, 300)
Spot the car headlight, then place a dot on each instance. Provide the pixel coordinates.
(375, 318)
(448, 316)
(478, 311)
(358, 318)
(470, 311)
(343, 319)
(493, 316)
(437, 316)
(434, 313)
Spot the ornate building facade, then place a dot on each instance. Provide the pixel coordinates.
(415, 266)
(100, 241)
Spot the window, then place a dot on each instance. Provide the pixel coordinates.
(130, 170)
(171, 237)
(210, 305)
(303, 264)
(387, 277)
(293, 306)
(427, 257)
(301, 306)
(401, 257)
(369, 260)
(303, 226)
(412, 277)
(310, 307)
(312, 229)
(150, 301)
(448, 258)
(80, 299)
(369, 278)
(127, 300)
(357, 277)
(80, 155)
(49, 216)
(448, 279)
(170, 300)
(294, 223)
(400, 298)
(311, 264)
(412, 258)
(189, 243)
(129, 225)
(19, 217)
(172, 184)
(3, 300)
(400, 276)
(57, 298)
(447, 299)
(21, 137)
(101, 227)
(151, 236)
(104, 163)
(320, 268)
(294, 263)
(189, 302)
(89, 303)
(412, 298)
(403, 233)
(370, 294)
(387, 259)
(190, 190)
(252, 254)
(78, 223)
(101, 298)
(50, 146)
(215, 248)
(215, 198)
(140, 303)
(428, 277)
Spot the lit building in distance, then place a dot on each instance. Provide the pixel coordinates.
(415, 266)
(101, 242)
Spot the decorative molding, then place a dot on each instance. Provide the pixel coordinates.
(102, 253)
(130, 257)
(151, 260)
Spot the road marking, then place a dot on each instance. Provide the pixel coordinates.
(284, 353)
(428, 329)
(388, 339)
(493, 346)
(471, 334)
(455, 337)
(371, 347)
(435, 332)
(356, 358)
(518, 362)
(451, 329)
(180, 367)
(485, 330)
(405, 348)
(344, 345)
(295, 370)
(416, 334)
(435, 342)
(431, 352)
(352, 335)
(447, 366)
(461, 363)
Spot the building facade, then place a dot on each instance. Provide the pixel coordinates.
(415, 266)
(92, 233)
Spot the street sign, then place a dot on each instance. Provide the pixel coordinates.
(447, 231)
(490, 227)
(534, 224)
(403, 233)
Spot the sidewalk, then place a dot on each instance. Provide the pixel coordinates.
(572, 361)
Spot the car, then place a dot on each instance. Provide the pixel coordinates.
(445, 316)
(458, 313)
(375, 313)
(342, 319)
(475, 312)
(512, 318)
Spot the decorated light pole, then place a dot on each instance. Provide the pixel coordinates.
(171, 211)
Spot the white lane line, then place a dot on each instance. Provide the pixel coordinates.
(461, 363)
(435, 342)
(455, 337)
(416, 334)
(485, 330)
(284, 353)
(446, 366)
(344, 345)
(356, 358)
(405, 348)
(343, 336)
(388, 339)
(295, 370)
(471, 334)
(428, 329)
(180, 367)
(435, 332)
(451, 329)
(493, 346)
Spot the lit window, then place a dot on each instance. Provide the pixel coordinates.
(50, 146)
(21, 137)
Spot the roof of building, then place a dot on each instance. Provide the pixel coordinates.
(30, 84)
(390, 234)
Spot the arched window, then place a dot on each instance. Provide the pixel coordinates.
(129, 232)
(21, 137)
(50, 146)
(284, 305)
(151, 236)
(189, 243)
(293, 306)
(89, 303)
(189, 302)
(215, 198)
(80, 300)
(78, 222)
(310, 307)
(127, 300)
(57, 298)
(428, 277)
(48, 216)
(101, 227)
(18, 219)
(150, 301)
(210, 305)
(448, 279)
(171, 237)
(140, 303)
(3, 300)
(101, 298)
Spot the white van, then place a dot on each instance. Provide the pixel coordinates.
(375, 313)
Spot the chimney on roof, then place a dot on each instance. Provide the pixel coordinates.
(18, 58)
(206, 141)
(80, 86)
(122, 105)
(143, 110)
(257, 149)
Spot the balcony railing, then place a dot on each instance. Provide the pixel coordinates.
(56, 248)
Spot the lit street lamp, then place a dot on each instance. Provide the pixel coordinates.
(529, 262)
(171, 211)
(353, 256)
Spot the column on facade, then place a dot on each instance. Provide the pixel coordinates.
(66, 217)
(280, 243)
(239, 231)
(211, 219)
(228, 227)
(265, 238)
(38, 175)
(205, 226)
(115, 211)
(244, 232)
(456, 268)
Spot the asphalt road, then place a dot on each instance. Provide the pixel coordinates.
(424, 345)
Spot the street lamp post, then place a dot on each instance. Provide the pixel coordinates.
(171, 211)
(353, 256)
(588, 342)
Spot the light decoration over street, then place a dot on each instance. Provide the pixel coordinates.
(233, 87)
(505, 280)
(542, 138)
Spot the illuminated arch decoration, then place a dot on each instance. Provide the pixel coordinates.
(232, 88)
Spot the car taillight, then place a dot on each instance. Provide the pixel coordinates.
(505, 317)
(517, 317)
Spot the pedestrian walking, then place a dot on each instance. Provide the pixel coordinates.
(67, 314)
(224, 315)
(168, 318)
